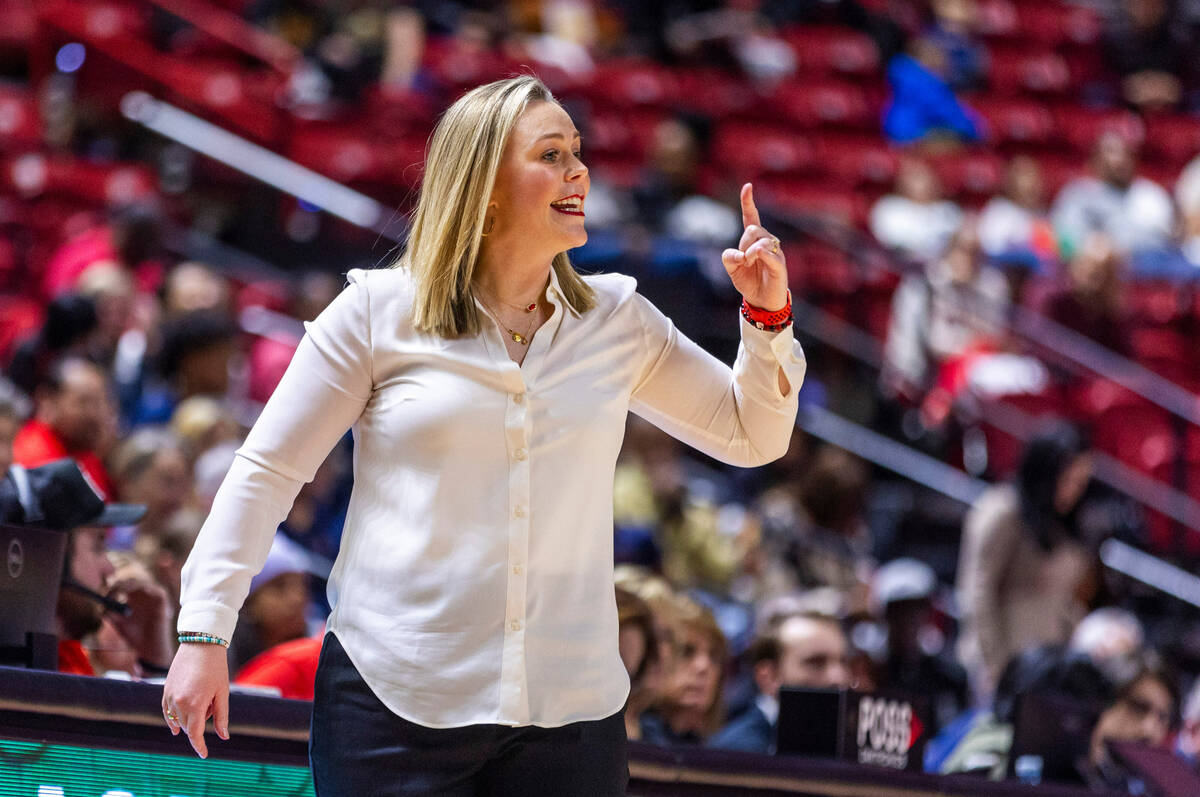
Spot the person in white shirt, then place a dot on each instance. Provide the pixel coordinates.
(916, 220)
(1134, 211)
(472, 647)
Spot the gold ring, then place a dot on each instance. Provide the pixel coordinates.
(774, 246)
(172, 716)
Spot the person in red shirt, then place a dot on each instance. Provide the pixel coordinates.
(291, 667)
(133, 239)
(74, 417)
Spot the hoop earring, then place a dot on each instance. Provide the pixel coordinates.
(488, 231)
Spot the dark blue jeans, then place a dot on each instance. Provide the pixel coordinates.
(359, 748)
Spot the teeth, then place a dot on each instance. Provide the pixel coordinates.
(568, 204)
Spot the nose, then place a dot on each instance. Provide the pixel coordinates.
(578, 170)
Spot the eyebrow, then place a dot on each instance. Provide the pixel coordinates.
(575, 134)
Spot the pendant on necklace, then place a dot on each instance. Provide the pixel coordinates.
(531, 307)
(518, 337)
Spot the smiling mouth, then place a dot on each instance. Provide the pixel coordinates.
(571, 205)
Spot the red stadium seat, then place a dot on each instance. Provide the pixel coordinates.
(1153, 302)
(1142, 437)
(20, 316)
(975, 174)
(857, 161)
(1004, 450)
(827, 50)
(996, 18)
(1167, 352)
(20, 121)
(713, 93)
(1082, 126)
(802, 195)
(34, 175)
(825, 104)
(459, 67)
(1054, 24)
(1020, 70)
(1176, 139)
(629, 134)
(1017, 121)
(633, 83)
(750, 149)
(1058, 170)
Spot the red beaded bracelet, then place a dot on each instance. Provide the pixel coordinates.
(766, 320)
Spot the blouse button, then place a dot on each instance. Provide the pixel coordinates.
(515, 625)
(518, 398)
(519, 511)
(520, 454)
(516, 570)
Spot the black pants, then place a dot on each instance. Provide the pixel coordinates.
(359, 748)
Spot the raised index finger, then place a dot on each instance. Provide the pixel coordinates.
(749, 211)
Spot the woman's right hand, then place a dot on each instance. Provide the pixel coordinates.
(197, 688)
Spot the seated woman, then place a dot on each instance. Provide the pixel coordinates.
(691, 707)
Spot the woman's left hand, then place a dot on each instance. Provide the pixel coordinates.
(757, 267)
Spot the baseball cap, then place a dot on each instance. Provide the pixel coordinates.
(60, 495)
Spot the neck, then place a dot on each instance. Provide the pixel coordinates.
(510, 273)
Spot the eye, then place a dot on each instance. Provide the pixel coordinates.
(550, 155)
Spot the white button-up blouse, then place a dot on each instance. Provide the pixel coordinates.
(475, 578)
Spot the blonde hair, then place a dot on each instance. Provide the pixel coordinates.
(465, 152)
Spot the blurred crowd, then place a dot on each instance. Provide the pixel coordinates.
(148, 370)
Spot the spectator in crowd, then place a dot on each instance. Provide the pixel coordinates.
(132, 614)
(196, 357)
(1014, 227)
(132, 238)
(1091, 303)
(149, 467)
(986, 739)
(953, 32)
(1187, 742)
(193, 286)
(276, 607)
(1134, 211)
(639, 646)
(147, 630)
(73, 417)
(289, 667)
(14, 409)
(1023, 570)
(691, 705)
(814, 532)
(805, 651)
(653, 497)
(1142, 710)
(1151, 52)
(70, 327)
(1108, 636)
(1187, 199)
(916, 659)
(954, 306)
(923, 107)
(916, 220)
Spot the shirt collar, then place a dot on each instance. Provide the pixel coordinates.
(769, 706)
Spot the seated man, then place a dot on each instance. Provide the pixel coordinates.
(805, 650)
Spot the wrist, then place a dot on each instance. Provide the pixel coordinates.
(768, 320)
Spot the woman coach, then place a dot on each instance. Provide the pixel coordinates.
(472, 646)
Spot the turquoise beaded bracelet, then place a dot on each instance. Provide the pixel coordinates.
(196, 636)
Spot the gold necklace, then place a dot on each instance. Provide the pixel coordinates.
(523, 339)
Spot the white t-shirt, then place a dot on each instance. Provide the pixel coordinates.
(475, 578)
